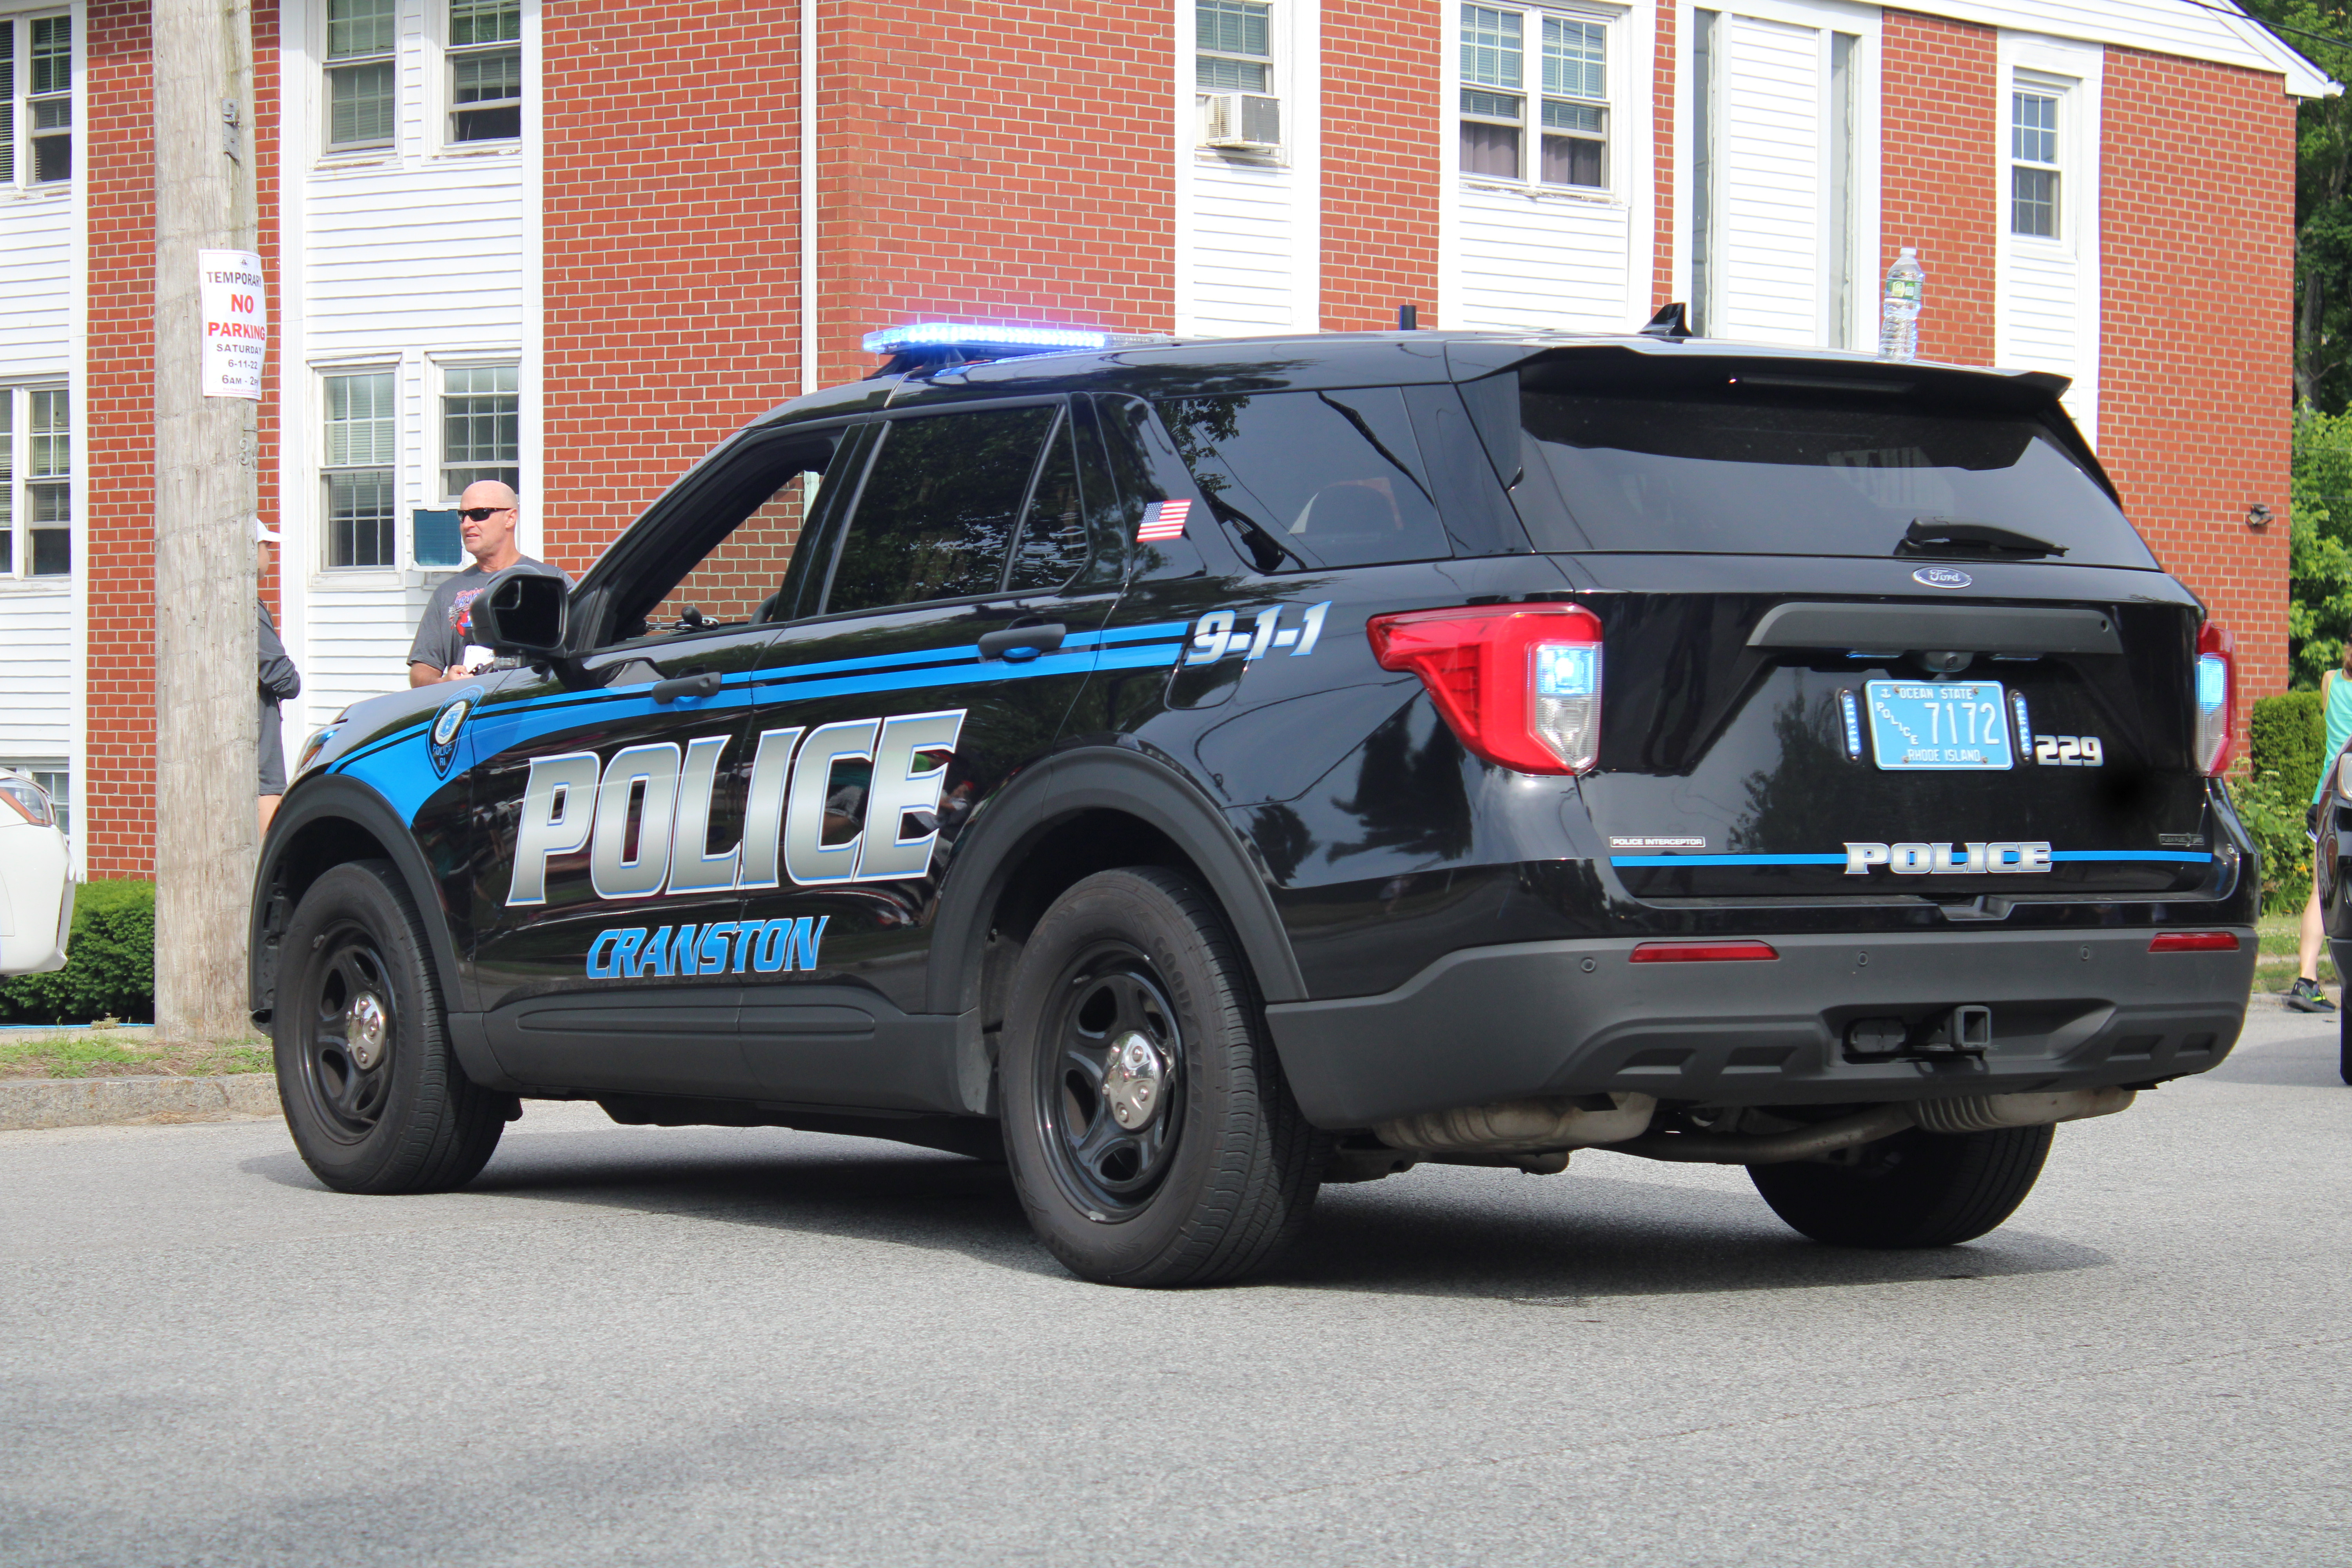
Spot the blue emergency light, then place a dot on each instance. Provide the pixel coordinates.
(938, 345)
(971, 335)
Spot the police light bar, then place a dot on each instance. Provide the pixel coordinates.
(969, 336)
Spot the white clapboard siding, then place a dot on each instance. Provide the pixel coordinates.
(36, 286)
(1533, 262)
(424, 255)
(1771, 198)
(359, 641)
(1244, 250)
(2043, 325)
(36, 673)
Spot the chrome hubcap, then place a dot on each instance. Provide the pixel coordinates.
(365, 1024)
(1131, 1083)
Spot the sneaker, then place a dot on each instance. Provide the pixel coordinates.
(2306, 996)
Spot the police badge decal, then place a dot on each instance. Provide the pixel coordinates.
(441, 743)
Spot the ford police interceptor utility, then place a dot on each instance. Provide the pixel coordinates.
(1193, 772)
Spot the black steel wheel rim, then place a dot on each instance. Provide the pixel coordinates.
(1106, 1001)
(350, 1026)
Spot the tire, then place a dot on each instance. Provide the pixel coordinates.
(1215, 1169)
(1915, 1189)
(373, 1093)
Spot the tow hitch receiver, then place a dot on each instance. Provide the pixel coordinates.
(1962, 1031)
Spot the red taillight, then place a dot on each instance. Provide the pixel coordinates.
(1520, 684)
(2217, 697)
(2194, 941)
(1701, 952)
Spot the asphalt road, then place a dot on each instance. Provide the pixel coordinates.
(634, 1345)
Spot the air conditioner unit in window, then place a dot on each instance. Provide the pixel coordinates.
(1243, 121)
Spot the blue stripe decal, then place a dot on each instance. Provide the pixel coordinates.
(1158, 630)
(1727, 860)
(403, 775)
(1644, 861)
(2199, 859)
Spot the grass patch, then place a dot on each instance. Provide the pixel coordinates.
(96, 1055)
(2278, 937)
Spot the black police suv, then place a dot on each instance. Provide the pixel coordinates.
(1194, 772)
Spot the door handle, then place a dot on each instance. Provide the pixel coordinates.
(701, 685)
(1020, 644)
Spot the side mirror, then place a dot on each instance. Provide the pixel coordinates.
(523, 613)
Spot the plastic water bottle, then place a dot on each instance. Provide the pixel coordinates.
(1898, 310)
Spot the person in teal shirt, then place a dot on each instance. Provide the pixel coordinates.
(2336, 696)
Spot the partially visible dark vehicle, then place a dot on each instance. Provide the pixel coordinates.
(1195, 772)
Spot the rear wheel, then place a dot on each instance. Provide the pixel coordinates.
(373, 1096)
(1915, 1189)
(1146, 1123)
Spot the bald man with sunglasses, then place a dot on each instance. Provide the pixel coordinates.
(444, 649)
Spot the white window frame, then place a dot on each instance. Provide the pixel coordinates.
(16, 487)
(441, 464)
(445, 74)
(2073, 72)
(330, 64)
(2066, 93)
(323, 472)
(1277, 77)
(17, 105)
(1614, 153)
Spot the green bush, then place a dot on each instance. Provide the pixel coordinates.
(2284, 738)
(109, 962)
(2274, 815)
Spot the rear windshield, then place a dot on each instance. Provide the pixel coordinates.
(1781, 470)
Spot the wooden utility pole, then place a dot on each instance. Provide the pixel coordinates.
(206, 708)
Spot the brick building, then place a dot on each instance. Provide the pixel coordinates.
(575, 246)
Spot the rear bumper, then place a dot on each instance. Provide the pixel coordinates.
(2070, 1010)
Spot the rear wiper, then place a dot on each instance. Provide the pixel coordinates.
(1949, 536)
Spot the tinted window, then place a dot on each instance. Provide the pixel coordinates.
(725, 550)
(1782, 471)
(936, 518)
(1312, 478)
(1053, 544)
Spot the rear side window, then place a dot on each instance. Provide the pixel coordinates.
(1783, 471)
(1308, 480)
(942, 504)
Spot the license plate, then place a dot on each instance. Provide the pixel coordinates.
(1951, 724)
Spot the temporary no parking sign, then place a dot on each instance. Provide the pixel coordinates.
(237, 323)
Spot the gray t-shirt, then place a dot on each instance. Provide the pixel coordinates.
(448, 622)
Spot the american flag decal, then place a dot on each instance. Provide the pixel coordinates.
(1164, 521)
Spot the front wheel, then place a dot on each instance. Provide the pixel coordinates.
(373, 1095)
(1915, 1189)
(1146, 1123)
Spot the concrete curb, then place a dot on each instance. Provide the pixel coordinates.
(29, 1103)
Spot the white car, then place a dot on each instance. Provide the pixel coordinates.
(36, 879)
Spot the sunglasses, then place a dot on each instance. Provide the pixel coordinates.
(480, 513)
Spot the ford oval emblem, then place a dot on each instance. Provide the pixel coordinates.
(1941, 577)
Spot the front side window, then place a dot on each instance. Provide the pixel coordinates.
(361, 439)
(360, 97)
(1569, 122)
(2033, 164)
(54, 774)
(36, 100)
(36, 482)
(485, 70)
(938, 515)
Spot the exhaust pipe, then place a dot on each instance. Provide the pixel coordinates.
(1951, 1116)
